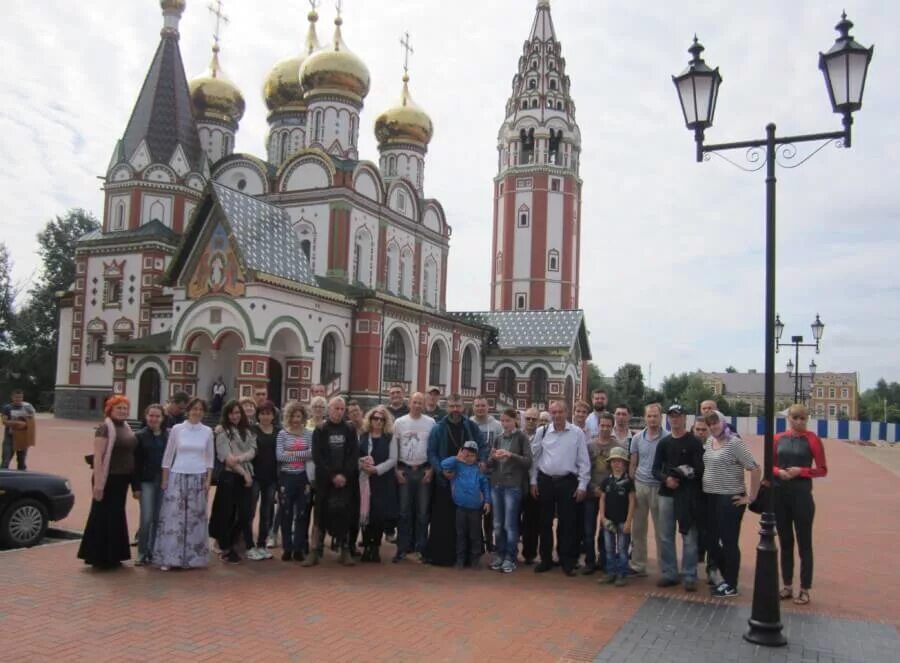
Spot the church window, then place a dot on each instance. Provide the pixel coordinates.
(401, 201)
(406, 273)
(362, 258)
(524, 217)
(552, 66)
(157, 212)
(227, 146)
(392, 166)
(554, 184)
(467, 362)
(521, 301)
(552, 84)
(328, 369)
(538, 385)
(524, 104)
(112, 292)
(96, 349)
(553, 261)
(507, 382)
(353, 123)
(119, 223)
(434, 365)
(242, 184)
(394, 369)
(534, 64)
(306, 247)
(319, 127)
(526, 139)
(559, 105)
(392, 268)
(534, 103)
(532, 84)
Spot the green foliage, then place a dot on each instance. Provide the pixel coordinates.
(35, 331)
(731, 369)
(741, 408)
(881, 403)
(596, 378)
(687, 389)
(9, 361)
(629, 387)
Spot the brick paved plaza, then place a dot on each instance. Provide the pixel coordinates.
(56, 608)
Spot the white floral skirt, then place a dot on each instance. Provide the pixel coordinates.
(182, 539)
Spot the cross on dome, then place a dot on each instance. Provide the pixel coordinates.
(218, 11)
(408, 50)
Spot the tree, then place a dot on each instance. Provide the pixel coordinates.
(629, 386)
(687, 389)
(881, 403)
(9, 361)
(731, 369)
(36, 330)
(741, 408)
(596, 380)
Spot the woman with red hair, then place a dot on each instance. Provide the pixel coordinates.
(105, 541)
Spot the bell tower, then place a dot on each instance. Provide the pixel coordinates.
(537, 190)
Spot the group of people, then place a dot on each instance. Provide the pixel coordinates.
(446, 488)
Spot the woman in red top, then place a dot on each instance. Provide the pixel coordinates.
(799, 457)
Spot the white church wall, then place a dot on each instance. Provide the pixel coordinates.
(158, 207)
(241, 178)
(64, 345)
(310, 223)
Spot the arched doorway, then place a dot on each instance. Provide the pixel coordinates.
(507, 385)
(276, 382)
(539, 387)
(149, 390)
(394, 366)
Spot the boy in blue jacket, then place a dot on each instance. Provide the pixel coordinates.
(472, 496)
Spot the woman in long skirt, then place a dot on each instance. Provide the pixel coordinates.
(181, 538)
(105, 541)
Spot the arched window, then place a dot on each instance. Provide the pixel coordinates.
(532, 84)
(524, 104)
(434, 365)
(283, 150)
(553, 261)
(406, 276)
(394, 369)
(392, 166)
(226, 148)
(353, 123)
(119, 223)
(306, 247)
(559, 105)
(552, 83)
(328, 371)
(534, 103)
(539, 385)
(158, 212)
(319, 127)
(524, 216)
(508, 382)
(362, 258)
(467, 360)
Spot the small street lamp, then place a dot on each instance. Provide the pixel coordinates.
(818, 328)
(845, 67)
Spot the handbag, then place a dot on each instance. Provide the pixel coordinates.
(759, 504)
(218, 465)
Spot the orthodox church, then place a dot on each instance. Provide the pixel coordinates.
(311, 264)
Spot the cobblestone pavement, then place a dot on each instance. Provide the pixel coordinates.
(55, 608)
(666, 629)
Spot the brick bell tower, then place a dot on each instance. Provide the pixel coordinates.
(537, 191)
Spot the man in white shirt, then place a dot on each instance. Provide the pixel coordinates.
(414, 476)
(559, 478)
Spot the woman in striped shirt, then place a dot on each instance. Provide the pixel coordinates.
(726, 458)
(293, 449)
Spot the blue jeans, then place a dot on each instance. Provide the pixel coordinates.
(151, 500)
(506, 521)
(415, 501)
(294, 517)
(264, 494)
(668, 556)
(616, 545)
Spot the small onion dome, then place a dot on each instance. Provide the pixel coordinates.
(214, 96)
(282, 90)
(173, 5)
(336, 70)
(404, 123)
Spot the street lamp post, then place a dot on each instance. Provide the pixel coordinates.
(844, 66)
(818, 328)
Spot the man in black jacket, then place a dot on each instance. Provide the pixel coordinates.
(678, 466)
(336, 455)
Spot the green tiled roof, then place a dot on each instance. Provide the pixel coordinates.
(529, 329)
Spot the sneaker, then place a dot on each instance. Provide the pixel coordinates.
(418, 558)
(265, 553)
(140, 562)
(620, 581)
(299, 556)
(637, 574)
(607, 580)
(715, 577)
(270, 542)
(508, 566)
(725, 591)
(666, 582)
(589, 569)
(255, 555)
(232, 558)
(163, 568)
(497, 563)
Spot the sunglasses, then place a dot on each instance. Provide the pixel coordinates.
(376, 418)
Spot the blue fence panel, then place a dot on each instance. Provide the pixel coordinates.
(822, 428)
(760, 426)
(843, 429)
(865, 430)
(780, 425)
(882, 430)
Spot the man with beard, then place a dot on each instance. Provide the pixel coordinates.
(446, 439)
(599, 403)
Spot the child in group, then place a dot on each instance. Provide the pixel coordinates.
(617, 512)
(472, 495)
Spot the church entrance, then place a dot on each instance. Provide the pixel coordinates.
(149, 390)
(276, 382)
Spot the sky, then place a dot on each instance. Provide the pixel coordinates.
(673, 253)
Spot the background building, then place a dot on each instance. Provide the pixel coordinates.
(834, 395)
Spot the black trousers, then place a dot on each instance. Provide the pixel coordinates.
(531, 525)
(723, 530)
(794, 513)
(468, 534)
(372, 533)
(242, 512)
(557, 499)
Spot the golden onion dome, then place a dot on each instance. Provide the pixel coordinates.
(214, 96)
(404, 123)
(282, 90)
(336, 70)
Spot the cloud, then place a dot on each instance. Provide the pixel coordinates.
(673, 251)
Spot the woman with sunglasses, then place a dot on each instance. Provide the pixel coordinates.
(799, 458)
(378, 458)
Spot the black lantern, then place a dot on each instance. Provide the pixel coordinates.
(812, 369)
(790, 368)
(817, 328)
(845, 67)
(698, 89)
(779, 327)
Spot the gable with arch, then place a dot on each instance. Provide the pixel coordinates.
(308, 169)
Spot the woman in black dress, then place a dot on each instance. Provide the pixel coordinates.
(105, 541)
(378, 458)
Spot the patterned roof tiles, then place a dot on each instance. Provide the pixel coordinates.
(530, 329)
